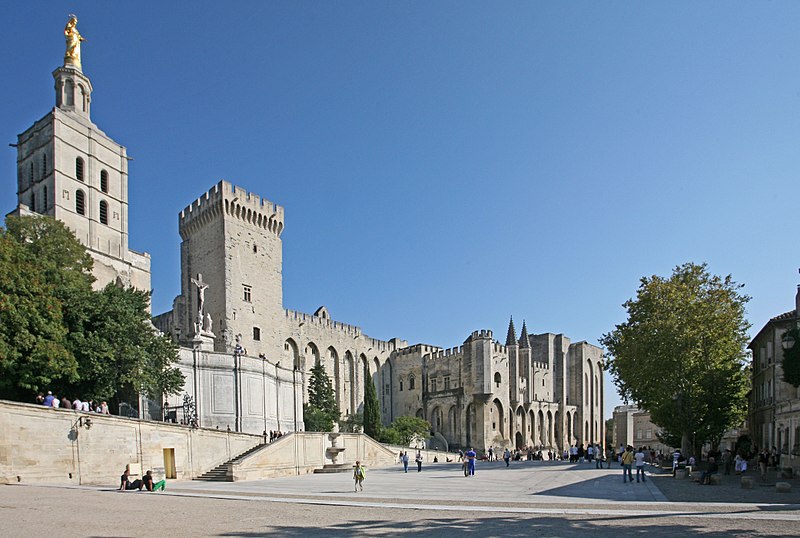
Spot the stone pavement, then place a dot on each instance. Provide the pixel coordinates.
(537, 498)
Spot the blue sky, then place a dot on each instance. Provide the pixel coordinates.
(444, 165)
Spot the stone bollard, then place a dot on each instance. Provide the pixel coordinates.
(747, 482)
(716, 480)
(680, 474)
(783, 487)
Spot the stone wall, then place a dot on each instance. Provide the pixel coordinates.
(41, 444)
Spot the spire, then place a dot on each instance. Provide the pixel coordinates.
(523, 338)
(511, 339)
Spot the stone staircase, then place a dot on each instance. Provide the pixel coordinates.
(220, 472)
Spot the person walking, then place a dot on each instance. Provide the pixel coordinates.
(763, 461)
(598, 457)
(471, 455)
(627, 462)
(418, 459)
(639, 457)
(359, 474)
(507, 457)
(727, 460)
(405, 461)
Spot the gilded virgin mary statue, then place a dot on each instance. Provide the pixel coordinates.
(74, 38)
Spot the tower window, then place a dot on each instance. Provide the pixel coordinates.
(33, 202)
(103, 212)
(44, 164)
(401, 385)
(44, 195)
(256, 334)
(411, 383)
(103, 181)
(248, 292)
(79, 169)
(31, 174)
(80, 202)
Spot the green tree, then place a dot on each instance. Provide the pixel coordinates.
(44, 273)
(791, 359)
(57, 332)
(120, 353)
(372, 408)
(411, 428)
(681, 353)
(352, 423)
(321, 412)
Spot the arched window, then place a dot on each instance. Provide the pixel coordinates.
(103, 181)
(33, 201)
(80, 202)
(497, 378)
(70, 91)
(44, 164)
(411, 382)
(31, 174)
(44, 195)
(79, 169)
(103, 212)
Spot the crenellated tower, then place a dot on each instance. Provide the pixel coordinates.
(231, 244)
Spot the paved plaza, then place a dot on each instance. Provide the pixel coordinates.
(526, 499)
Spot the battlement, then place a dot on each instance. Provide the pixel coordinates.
(449, 352)
(338, 326)
(483, 334)
(235, 202)
(417, 349)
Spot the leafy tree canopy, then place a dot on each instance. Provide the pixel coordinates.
(681, 353)
(57, 333)
(411, 428)
(791, 360)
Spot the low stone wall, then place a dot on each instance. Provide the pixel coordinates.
(302, 452)
(41, 444)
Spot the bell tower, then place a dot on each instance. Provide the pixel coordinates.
(69, 169)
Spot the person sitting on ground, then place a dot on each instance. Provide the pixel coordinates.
(147, 479)
(713, 468)
(126, 484)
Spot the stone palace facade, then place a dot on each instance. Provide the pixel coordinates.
(247, 358)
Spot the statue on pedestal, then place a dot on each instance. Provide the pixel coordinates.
(73, 37)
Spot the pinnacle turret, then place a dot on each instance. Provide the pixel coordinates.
(511, 339)
(523, 338)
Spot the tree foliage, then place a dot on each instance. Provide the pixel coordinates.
(321, 412)
(681, 353)
(372, 408)
(57, 333)
(791, 360)
(410, 429)
(353, 423)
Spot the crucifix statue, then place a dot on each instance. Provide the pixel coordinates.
(201, 295)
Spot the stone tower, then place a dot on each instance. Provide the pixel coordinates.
(71, 170)
(231, 243)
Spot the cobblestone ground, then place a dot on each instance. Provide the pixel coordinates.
(524, 500)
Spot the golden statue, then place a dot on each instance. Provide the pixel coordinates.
(74, 38)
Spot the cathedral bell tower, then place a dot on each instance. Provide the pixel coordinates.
(69, 169)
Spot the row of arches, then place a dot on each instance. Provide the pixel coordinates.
(346, 372)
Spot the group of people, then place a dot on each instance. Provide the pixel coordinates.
(87, 406)
(146, 482)
(273, 435)
(404, 459)
(627, 460)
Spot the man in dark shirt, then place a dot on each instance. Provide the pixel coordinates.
(713, 468)
(126, 484)
(149, 485)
